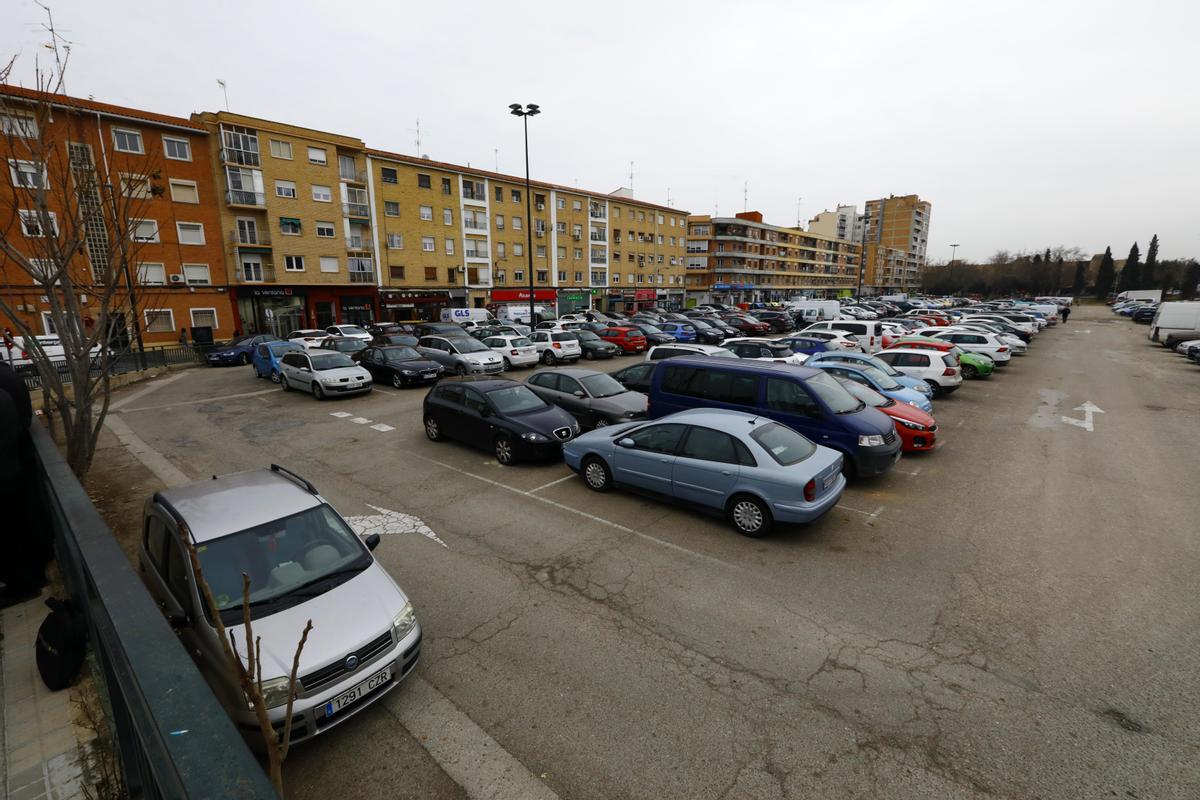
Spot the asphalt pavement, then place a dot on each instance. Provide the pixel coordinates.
(1014, 615)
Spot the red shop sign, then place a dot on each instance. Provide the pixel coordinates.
(516, 295)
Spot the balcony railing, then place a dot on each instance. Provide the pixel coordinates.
(475, 225)
(249, 158)
(360, 244)
(597, 213)
(597, 236)
(475, 254)
(264, 275)
(359, 276)
(355, 209)
(353, 175)
(238, 197)
(250, 238)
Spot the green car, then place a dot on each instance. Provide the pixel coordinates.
(974, 365)
(594, 347)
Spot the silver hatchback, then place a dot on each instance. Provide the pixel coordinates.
(304, 562)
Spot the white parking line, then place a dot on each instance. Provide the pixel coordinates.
(551, 483)
(868, 514)
(198, 402)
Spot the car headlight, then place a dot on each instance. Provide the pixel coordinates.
(912, 426)
(408, 372)
(534, 437)
(405, 621)
(329, 381)
(874, 440)
(925, 389)
(275, 691)
(575, 427)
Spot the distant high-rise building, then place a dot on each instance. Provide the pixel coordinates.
(895, 234)
(842, 223)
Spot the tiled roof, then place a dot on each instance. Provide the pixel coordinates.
(67, 101)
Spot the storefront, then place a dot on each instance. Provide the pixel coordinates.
(541, 297)
(399, 305)
(572, 301)
(335, 305)
(270, 309)
(626, 301)
(668, 300)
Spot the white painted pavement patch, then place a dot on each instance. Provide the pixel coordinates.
(360, 420)
(340, 414)
(552, 483)
(382, 428)
(388, 522)
(1088, 408)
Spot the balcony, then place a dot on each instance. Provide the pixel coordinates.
(254, 238)
(360, 244)
(597, 236)
(353, 175)
(239, 197)
(482, 254)
(361, 276)
(356, 210)
(475, 225)
(247, 158)
(597, 213)
(264, 274)
(479, 278)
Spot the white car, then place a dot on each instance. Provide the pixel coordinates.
(20, 355)
(868, 334)
(939, 370)
(556, 346)
(325, 373)
(1018, 347)
(353, 331)
(1023, 326)
(763, 350)
(308, 337)
(517, 351)
(659, 352)
(1183, 347)
(839, 338)
(989, 344)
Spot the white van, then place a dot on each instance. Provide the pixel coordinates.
(519, 313)
(814, 310)
(479, 316)
(867, 333)
(1176, 317)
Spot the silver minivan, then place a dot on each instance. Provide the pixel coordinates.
(304, 563)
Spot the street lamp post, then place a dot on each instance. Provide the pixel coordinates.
(530, 110)
(953, 252)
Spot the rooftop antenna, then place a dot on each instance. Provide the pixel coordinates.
(418, 139)
(745, 196)
(630, 177)
(798, 199)
(496, 152)
(225, 91)
(668, 197)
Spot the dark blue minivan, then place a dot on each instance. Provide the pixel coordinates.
(806, 400)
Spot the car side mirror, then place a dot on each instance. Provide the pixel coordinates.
(579, 393)
(372, 541)
(625, 442)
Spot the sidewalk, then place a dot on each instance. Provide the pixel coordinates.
(42, 757)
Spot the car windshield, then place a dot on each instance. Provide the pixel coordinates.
(602, 385)
(881, 366)
(785, 445)
(521, 341)
(398, 338)
(831, 393)
(349, 345)
(515, 400)
(721, 352)
(699, 323)
(288, 561)
(232, 342)
(324, 361)
(751, 320)
(586, 336)
(396, 354)
(279, 348)
(646, 327)
(866, 394)
(353, 330)
(779, 349)
(470, 346)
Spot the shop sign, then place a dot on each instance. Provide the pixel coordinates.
(645, 294)
(516, 295)
(276, 291)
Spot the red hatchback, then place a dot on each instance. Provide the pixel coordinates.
(630, 340)
(918, 430)
(747, 324)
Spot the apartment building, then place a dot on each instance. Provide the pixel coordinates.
(450, 235)
(844, 222)
(895, 234)
(297, 224)
(742, 259)
(159, 165)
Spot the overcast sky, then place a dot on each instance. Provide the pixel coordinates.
(1026, 124)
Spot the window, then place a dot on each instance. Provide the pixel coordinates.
(316, 155)
(541, 251)
(447, 216)
(431, 273)
(395, 241)
(616, 211)
(151, 274)
(427, 213)
(423, 181)
(391, 208)
(289, 226)
(541, 276)
(285, 189)
(127, 141)
(388, 175)
(204, 318)
(31, 224)
(159, 320)
(190, 232)
(577, 254)
(499, 194)
(562, 276)
(516, 223)
(347, 169)
(325, 230)
(177, 149)
(658, 438)
(705, 444)
(516, 195)
(562, 252)
(499, 222)
(293, 263)
(789, 396)
(427, 244)
(578, 277)
(395, 273)
(446, 186)
(561, 202)
(641, 216)
(184, 191)
(560, 227)
(616, 277)
(519, 275)
(17, 124)
(30, 174)
(330, 264)
(518, 249)
(196, 275)
(144, 230)
(322, 194)
(501, 250)
(450, 275)
(501, 277)
(449, 246)
(281, 149)
(715, 385)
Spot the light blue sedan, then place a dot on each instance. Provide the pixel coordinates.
(861, 359)
(875, 379)
(755, 471)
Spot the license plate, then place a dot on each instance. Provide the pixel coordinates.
(428, 374)
(829, 481)
(352, 696)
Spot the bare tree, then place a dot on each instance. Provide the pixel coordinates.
(67, 241)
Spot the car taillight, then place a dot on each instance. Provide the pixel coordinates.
(1002, 350)
(556, 345)
(515, 353)
(810, 490)
(948, 371)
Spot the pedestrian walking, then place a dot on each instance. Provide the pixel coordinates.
(1066, 312)
(183, 336)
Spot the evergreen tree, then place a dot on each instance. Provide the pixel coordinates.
(1190, 279)
(1149, 280)
(1056, 277)
(1080, 278)
(1131, 275)
(1104, 278)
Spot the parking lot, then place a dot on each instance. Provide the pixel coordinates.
(1013, 615)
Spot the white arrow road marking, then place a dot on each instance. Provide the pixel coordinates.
(388, 522)
(1088, 408)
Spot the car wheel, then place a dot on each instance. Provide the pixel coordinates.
(601, 422)
(937, 390)
(318, 392)
(275, 376)
(244, 360)
(432, 430)
(505, 451)
(596, 474)
(588, 355)
(749, 516)
(507, 364)
(969, 371)
(460, 370)
(283, 382)
(547, 359)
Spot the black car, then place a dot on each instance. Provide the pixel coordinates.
(780, 321)
(439, 329)
(654, 334)
(384, 339)
(1145, 314)
(399, 365)
(705, 332)
(343, 344)
(379, 329)
(499, 415)
(636, 377)
(714, 321)
(593, 346)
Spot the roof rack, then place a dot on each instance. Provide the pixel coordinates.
(287, 473)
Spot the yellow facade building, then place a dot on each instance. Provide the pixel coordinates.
(895, 234)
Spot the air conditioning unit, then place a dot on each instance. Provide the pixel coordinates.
(540, 234)
(176, 279)
(541, 206)
(577, 236)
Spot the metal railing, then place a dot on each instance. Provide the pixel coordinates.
(265, 275)
(355, 209)
(353, 176)
(360, 244)
(359, 276)
(173, 737)
(245, 157)
(122, 362)
(255, 239)
(238, 197)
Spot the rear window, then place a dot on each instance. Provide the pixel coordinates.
(782, 443)
(950, 360)
(562, 337)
